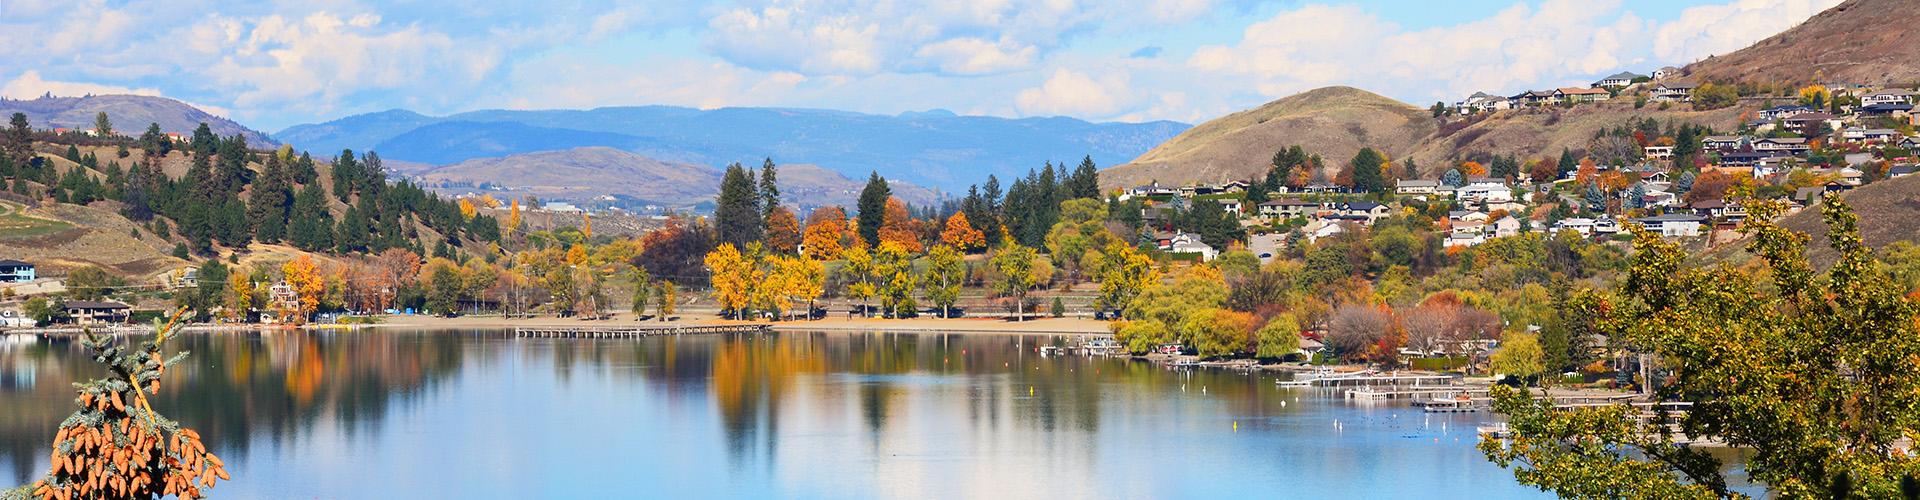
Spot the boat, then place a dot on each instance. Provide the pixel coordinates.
(1496, 431)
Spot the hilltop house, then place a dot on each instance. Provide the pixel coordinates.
(1805, 121)
(1618, 80)
(13, 271)
(1722, 142)
(1364, 211)
(1532, 98)
(1506, 226)
(1787, 145)
(1784, 112)
(1581, 225)
(1482, 102)
(1673, 92)
(1580, 95)
(88, 312)
(1886, 109)
(1663, 73)
(1658, 152)
(1190, 243)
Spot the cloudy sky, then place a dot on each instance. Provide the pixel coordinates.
(274, 63)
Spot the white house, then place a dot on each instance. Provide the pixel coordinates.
(1368, 210)
(1287, 208)
(1722, 142)
(1658, 152)
(1663, 73)
(1482, 102)
(1789, 145)
(1581, 225)
(1190, 243)
(1890, 96)
(1673, 92)
(1316, 230)
(1417, 187)
(1674, 225)
(1618, 80)
(1506, 226)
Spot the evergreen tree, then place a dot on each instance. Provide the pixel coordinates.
(1410, 171)
(231, 223)
(1452, 178)
(311, 227)
(303, 171)
(204, 142)
(873, 208)
(1367, 174)
(232, 169)
(19, 144)
(769, 190)
(1568, 163)
(738, 217)
(991, 194)
(346, 172)
(351, 234)
(269, 201)
(155, 142)
(1086, 180)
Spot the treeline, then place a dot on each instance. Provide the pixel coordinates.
(223, 200)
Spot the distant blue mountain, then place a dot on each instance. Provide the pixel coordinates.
(936, 148)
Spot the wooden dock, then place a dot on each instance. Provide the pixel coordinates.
(629, 332)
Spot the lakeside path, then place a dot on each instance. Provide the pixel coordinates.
(1065, 326)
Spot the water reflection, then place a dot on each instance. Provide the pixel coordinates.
(440, 414)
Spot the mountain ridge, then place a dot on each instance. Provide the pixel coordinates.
(130, 114)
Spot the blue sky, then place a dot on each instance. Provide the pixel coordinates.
(274, 63)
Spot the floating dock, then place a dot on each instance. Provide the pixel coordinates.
(628, 332)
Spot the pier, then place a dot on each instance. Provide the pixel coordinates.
(629, 332)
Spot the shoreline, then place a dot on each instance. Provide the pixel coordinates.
(975, 326)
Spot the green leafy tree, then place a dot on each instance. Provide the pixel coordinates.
(102, 125)
(1368, 171)
(1519, 355)
(642, 288)
(945, 273)
(1014, 269)
(1280, 337)
(1810, 373)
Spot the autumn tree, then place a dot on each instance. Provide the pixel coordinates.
(1124, 271)
(1471, 169)
(860, 276)
(307, 288)
(1157, 314)
(826, 232)
(1280, 337)
(899, 227)
(960, 234)
(1362, 331)
(239, 297)
(666, 299)
(893, 266)
(1519, 356)
(783, 231)
(733, 278)
(1809, 373)
(1709, 185)
(116, 445)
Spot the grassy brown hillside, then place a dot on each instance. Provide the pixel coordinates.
(1526, 133)
(57, 237)
(1858, 41)
(1889, 211)
(585, 173)
(1334, 122)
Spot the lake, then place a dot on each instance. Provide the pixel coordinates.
(481, 414)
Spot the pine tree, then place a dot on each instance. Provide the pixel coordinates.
(1086, 179)
(346, 172)
(303, 170)
(311, 226)
(155, 142)
(769, 189)
(19, 144)
(873, 208)
(102, 126)
(204, 142)
(269, 201)
(1568, 163)
(738, 217)
(1367, 174)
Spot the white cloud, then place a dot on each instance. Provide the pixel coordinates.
(1719, 29)
(1073, 93)
(974, 56)
(30, 85)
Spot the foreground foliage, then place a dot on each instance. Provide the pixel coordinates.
(116, 445)
(1813, 373)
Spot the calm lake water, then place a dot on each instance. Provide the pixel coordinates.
(480, 414)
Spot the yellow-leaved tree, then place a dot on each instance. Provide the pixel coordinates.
(307, 287)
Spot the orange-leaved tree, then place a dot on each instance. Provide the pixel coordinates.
(961, 235)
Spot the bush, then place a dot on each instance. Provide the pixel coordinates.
(1438, 364)
(145, 316)
(1059, 308)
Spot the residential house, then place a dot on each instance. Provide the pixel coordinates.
(1465, 239)
(1231, 205)
(1722, 142)
(1744, 159)
(1416, 187)
(1506, 226)
(1808, 121)
(13, 271)
(1784, 112)
(1580, 95)
(1889, 109)
(1889, 96)
(1189, 243)
(89, 312)
(1287, 208)
(1718, 210)
(1663, 73)
(1782, 145)
(1466, 216)
(1481, 102)
(1618, 80)
(1658, 152)
(1673, 92)
(1767, 167)
(1658, 198)
(1898, 171)
(1533, 98)
(1673, 225)
(1910, 143)
(1581, 225)
(1148, 190)
(1863, 134)
(1364, 211)
(1318, 229)
(1484, 190)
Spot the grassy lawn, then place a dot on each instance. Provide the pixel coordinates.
(14, 224)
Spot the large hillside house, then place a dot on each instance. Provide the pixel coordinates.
(1673, 92)
(1889, 96)
(1481, 102)
(1579, 95)
(13, 271)
(1288, 208)
(1618, 80)
(1674, 225)
(90, 312)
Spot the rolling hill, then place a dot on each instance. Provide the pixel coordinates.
(1334, 122)
(130, 114)
(1859, 41)
(1888, 210)
(936, 149)
(585, 173)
